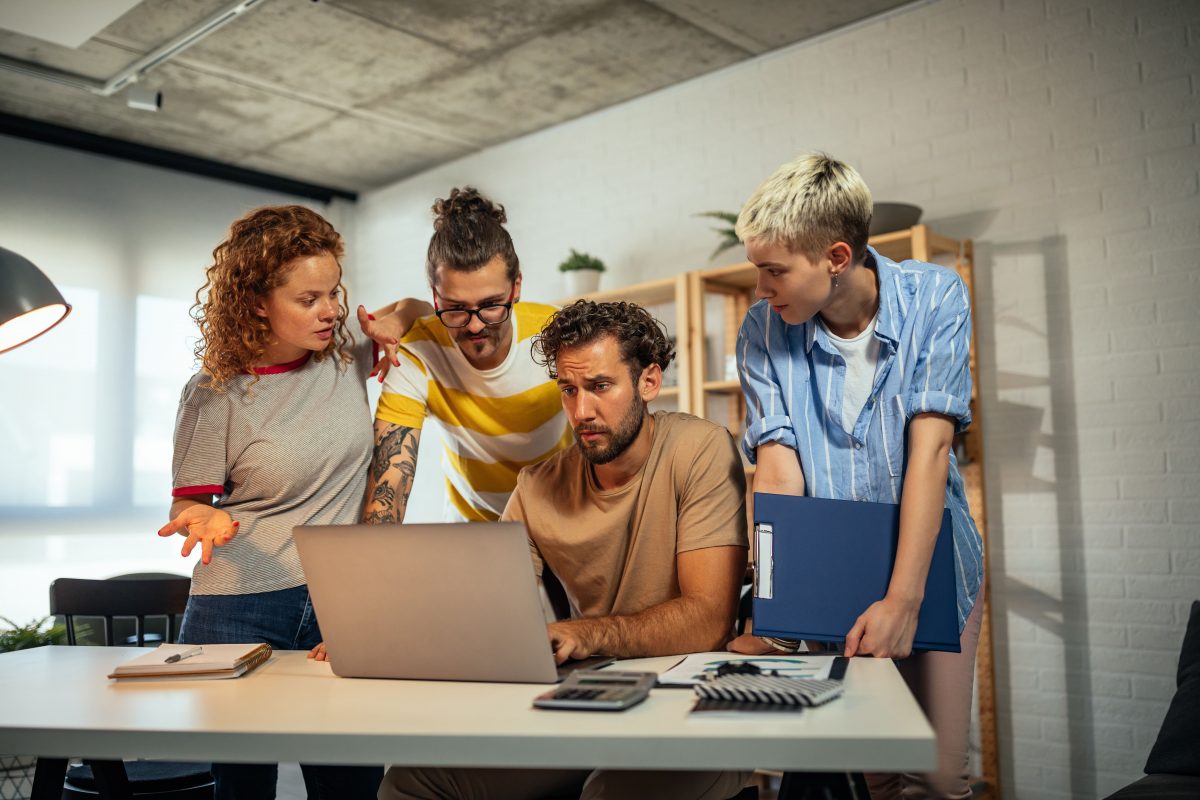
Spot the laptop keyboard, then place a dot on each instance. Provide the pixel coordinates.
(592, 662)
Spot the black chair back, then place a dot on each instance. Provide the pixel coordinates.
(107, 599)
(148, 595)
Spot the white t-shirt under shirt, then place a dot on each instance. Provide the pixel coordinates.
(862, 357)
(294, 450)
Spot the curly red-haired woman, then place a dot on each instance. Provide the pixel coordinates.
(274, 431)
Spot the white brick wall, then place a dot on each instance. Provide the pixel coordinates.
(1062, 137)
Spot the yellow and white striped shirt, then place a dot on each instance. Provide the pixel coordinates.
(495, 421)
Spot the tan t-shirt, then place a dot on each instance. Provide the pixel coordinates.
(614, 551)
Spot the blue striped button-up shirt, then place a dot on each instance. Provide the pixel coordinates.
(792, 377)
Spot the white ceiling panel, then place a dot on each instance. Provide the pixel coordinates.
(69, 23)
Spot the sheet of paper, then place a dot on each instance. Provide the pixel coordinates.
(694, 668)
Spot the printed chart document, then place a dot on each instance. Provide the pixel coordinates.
(695, 668)
(194, 662)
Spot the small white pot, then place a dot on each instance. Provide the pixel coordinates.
(581, 281)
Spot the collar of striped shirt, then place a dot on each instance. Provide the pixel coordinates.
(887, 322)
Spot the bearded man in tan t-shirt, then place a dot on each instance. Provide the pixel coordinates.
(644, 521)
(644, 524)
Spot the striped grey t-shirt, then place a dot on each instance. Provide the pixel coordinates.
(292, 451)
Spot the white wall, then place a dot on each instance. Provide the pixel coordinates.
(1062, 137)
(87, 410)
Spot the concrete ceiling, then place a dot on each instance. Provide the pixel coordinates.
(356, 94)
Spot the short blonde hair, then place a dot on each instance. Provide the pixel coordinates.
(807, 205)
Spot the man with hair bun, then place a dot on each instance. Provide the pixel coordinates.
(643, 522)
(467, 365)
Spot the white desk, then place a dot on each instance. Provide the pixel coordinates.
(58, 702)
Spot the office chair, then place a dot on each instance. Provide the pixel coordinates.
(138, 598)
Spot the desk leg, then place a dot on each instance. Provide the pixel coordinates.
(48, 777)
(111, 780)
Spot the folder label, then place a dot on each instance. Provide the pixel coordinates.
(764, 572)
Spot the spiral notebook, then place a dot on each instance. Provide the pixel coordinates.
(767, 691)
(770, 690)
(194, 662)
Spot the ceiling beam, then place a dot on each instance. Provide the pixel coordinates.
(47, 133)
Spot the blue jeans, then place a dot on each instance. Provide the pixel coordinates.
(284, 620)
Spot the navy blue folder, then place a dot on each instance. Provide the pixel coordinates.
(823, 562)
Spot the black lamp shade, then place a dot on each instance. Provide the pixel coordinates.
(30, 304)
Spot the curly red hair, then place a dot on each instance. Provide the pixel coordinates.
(254, 259)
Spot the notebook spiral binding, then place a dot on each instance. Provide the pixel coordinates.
(770, 689)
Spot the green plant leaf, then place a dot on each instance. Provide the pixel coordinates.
(579, 260)
(22, 637)
(724, 216)
(729, 237)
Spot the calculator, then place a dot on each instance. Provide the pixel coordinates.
(599, 690)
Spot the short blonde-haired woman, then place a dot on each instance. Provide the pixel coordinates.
(855, 372)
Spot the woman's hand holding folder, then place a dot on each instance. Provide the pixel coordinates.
(885, 630)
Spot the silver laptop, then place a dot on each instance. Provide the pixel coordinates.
(451, 601)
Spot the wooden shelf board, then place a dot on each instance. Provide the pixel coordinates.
(668, 392)
(939, 245)
(734, 276)
(886, 239)
(896, 246)
(722, 386)
(657, 292)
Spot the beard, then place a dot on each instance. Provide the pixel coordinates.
(618, 438)
(484, 347)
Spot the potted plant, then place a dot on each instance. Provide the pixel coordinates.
(16, 772)
(728, 231)
(34, 634)
(582, 272)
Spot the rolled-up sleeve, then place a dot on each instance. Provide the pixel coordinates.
(766, 412)
(942, 373)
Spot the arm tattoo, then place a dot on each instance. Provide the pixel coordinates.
(378, 517)
(393, 468)
(384, 494)
(389, 447)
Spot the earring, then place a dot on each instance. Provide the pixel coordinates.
(835, 280)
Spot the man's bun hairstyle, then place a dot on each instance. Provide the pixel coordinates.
(468, 232)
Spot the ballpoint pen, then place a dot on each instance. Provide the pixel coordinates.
(193, 651)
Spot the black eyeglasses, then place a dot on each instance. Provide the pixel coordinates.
(490, 314)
